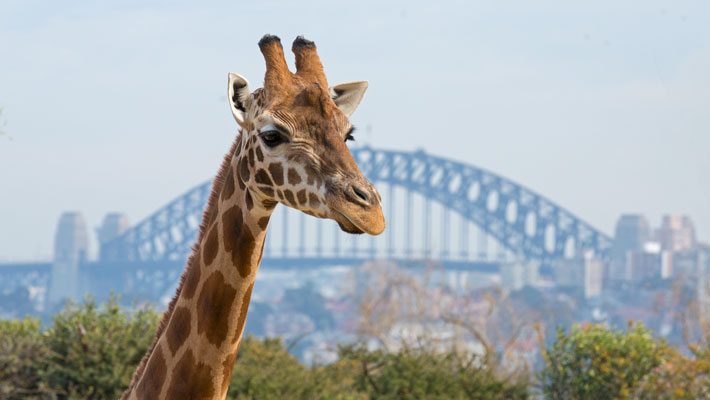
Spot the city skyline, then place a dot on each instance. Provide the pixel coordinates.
(121, 108)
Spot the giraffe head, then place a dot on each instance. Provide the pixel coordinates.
(294, 134)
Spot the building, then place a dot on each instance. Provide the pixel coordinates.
(593, 276)
(583, 272)
(686, 264)
(649, 263)
(632, 232)
(113, 226)
(677, 233)
(71, 244)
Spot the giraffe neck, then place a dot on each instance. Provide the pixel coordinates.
(194, 355)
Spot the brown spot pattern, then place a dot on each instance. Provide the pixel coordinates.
(301, 196)
(243, 308)
(153, 377)
(243, 170)
(289, 197)
(248, 200)
(242, 185)
(192, 278)
(259, 154)
(267, 191)
(262, 178)
(228, 188)
(251, 157)
(213, 308)
(190, 379)
(263, 222)
(294, 177)
(238, 240)
(232, 223)
(313, 200)
(277, 173)
(227, 367)
(178, 329)
(211, 246)
(269, 204)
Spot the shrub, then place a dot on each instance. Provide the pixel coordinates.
(680, 377)
(94, 350)
(597, 362)
(422, 373)
(90, 352)
(22, 360)
(265, 370)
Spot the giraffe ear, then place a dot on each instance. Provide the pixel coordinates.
(238, 93)
(347, 96)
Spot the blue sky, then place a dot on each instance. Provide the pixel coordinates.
(120, 106)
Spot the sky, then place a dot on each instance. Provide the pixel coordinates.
(602, 107)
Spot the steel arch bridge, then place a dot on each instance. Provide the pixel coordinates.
(526, 224)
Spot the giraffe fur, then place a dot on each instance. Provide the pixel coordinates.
(290, 150)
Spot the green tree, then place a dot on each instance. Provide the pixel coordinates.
(94, 350)
(425, 373)
(681, 376)
(598, 362)
(265, 370)
(22, 359)
(90, 352)
(678, 378)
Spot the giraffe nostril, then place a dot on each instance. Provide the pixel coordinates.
(360, 194)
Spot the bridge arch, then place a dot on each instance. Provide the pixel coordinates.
(526, 223)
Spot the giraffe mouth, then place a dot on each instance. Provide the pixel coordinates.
(346, 225)
(356, 211)
(370, 222)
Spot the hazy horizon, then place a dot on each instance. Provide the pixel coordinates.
(122, 106)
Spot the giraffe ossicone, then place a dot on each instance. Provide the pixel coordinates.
(292, 150)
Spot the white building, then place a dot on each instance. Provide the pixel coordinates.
(71, 245)
(584, 272)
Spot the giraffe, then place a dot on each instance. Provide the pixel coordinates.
(291, 149)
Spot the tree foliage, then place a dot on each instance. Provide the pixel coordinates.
(681, 376)
(678, 378)
(90, 352)
(420, 373)
(23, 357)
(598, 362)
(94, 350)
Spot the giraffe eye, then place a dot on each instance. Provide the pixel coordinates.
(272, 138)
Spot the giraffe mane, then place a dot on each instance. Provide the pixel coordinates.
(207, 216)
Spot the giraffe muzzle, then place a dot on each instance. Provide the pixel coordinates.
(358, 210)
